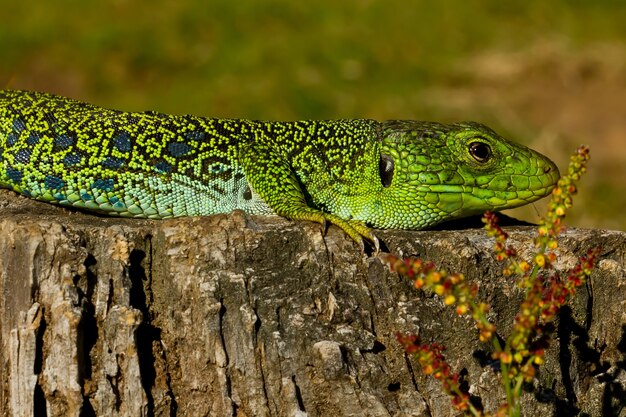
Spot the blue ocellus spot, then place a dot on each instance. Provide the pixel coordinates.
(33, 139)
(23, 156)
(12, 138)
(112, 162)
(18, 125)
(14, 175)
(72, 159)
(86, 197)
(114, 199)
(53, 182)
(196, 135)
(163, 167)
(104, 185)
(178, 149)
(122, 142)
(63, 141)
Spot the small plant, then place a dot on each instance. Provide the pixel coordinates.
(546, 291)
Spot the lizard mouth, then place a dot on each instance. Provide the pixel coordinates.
(501, 192)
(482, 199)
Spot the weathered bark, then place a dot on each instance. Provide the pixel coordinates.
(259, 316)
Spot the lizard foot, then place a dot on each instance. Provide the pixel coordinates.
(357, 230)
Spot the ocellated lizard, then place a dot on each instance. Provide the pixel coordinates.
(355, 174)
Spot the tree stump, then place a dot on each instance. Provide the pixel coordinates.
(236, 315)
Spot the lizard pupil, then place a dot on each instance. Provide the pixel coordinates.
(480, 151)
(385, 169)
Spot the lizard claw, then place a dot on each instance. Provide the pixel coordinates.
(324, 224)
(361, 243)
(376, 244)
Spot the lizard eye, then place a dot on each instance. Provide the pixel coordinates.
(480, 151)
(385, 169)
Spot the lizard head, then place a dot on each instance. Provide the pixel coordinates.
(433, 172)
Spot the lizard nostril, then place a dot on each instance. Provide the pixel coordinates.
(547, 169)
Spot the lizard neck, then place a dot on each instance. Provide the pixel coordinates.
(387, 208)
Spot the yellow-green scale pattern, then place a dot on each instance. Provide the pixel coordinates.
(353, 173)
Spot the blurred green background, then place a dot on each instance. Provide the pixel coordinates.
(549, 74)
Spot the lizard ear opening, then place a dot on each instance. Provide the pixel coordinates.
(385, 169)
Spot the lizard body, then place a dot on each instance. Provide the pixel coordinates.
(352, 173)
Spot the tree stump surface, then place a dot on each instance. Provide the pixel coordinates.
(236, 315)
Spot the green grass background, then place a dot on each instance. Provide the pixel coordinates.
(442, 60)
